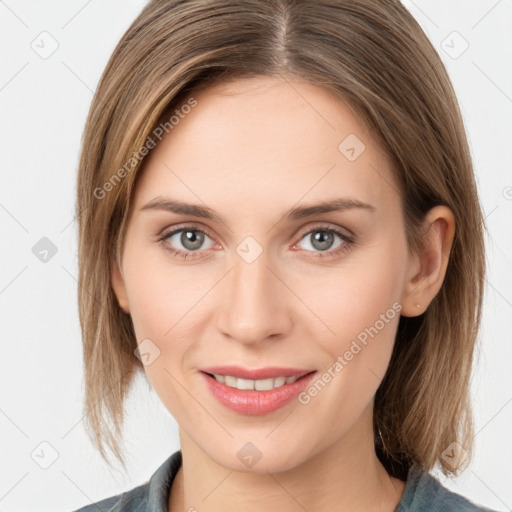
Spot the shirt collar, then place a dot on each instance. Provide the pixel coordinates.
(160, 483)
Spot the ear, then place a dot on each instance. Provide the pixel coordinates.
(428, 269)
(117, 281)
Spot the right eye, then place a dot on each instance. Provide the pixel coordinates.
(189, 237)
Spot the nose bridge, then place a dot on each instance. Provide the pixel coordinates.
(253, 306)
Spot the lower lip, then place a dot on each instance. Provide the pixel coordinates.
(254, 402)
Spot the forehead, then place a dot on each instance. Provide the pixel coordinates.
(266, 141)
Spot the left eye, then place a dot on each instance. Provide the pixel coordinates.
(323, 239)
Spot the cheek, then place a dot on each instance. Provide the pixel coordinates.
(161, 298)
(359, 308)
(161, 293)
(166, 300)
(351, 297)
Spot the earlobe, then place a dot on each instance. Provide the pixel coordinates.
(119, 288)
(428, 269)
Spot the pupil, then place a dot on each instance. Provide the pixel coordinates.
(190, 240)
(323, 240)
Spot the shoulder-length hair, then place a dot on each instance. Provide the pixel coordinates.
(376, 58)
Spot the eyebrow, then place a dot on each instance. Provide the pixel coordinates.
(300, 212)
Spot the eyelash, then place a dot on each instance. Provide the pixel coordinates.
(178, 253)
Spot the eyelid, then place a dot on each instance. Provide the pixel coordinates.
(191, 226)
(325, 226)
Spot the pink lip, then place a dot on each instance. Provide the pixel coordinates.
(256, 374)
(254, 402)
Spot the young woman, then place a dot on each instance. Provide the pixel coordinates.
(279, 226)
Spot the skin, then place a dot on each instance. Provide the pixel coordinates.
(251, 150)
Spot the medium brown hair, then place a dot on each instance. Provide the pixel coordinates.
(376, 58)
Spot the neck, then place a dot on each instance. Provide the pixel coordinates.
(345, 476)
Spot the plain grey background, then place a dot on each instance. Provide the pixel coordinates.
(53, 54)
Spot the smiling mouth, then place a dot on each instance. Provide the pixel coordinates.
(256, 384)
(256, 397)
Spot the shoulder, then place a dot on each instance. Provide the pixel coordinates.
(151, 496)
(130, 501)
(425, 493)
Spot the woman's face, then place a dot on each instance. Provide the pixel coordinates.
(261, 282)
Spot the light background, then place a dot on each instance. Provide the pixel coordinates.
(43, 105)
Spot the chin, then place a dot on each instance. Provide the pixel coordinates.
(258, 457)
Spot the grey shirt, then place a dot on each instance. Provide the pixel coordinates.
(422, 493)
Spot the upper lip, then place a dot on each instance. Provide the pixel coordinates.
(257, 373)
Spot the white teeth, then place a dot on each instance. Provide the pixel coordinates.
(258, 385)
(229, 381)
(266, 384)
(279, 381)
(245, 384)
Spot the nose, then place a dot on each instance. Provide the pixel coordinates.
(255, 302)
